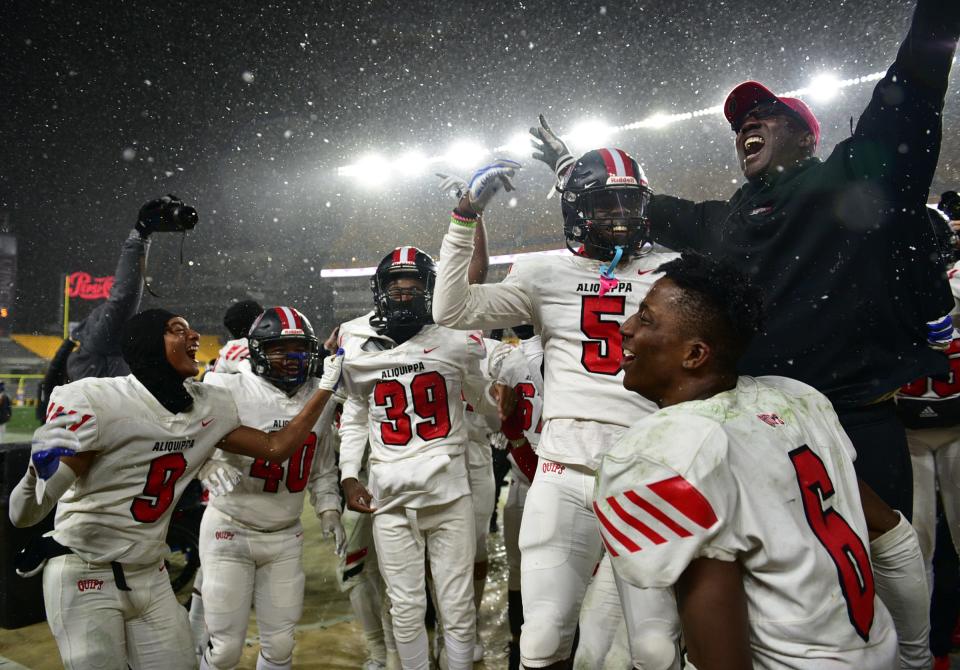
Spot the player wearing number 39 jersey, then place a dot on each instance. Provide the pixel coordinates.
(750, 506)
(117, 455)
(404, 383)
(576, 303)
(251, 539)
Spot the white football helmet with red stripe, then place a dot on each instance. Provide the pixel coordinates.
(604, 199)
(406, 307)
(277, 324)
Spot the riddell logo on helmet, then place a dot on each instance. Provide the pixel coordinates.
(616, 179)
(291, 331)
(89, 585)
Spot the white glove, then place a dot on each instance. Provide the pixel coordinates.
(452, 184)
(52, 441)
(550, 149)
(488, 180)
(330, 525)
(219, 478)
(331, 371)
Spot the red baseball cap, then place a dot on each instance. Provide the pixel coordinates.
(744, 97)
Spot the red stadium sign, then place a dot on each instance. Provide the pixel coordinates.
(83, 286)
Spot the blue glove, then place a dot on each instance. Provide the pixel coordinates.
(50, 442)
(940, 333)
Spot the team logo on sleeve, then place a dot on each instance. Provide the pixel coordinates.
(54, 411)
(637, 518)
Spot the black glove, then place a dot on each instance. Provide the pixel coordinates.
(524, 332)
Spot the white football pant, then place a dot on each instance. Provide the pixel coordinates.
(99, 626)
(446, 533)
(243, 567)
(512, 514)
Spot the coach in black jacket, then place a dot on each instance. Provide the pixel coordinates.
(842, 248)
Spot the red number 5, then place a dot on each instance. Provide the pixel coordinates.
(603, 351)
(838, 538)
(161, 478)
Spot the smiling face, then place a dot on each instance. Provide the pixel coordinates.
(655, 344)
(769, 140)
(283, 365)
(180, 344)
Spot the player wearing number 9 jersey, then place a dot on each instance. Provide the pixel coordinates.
(576, 303)
(751, 506)
(404, 384)
(251, 539)
(117, 455)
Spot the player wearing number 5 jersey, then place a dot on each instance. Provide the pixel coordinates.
(750, 507)
(577, 304)
(251, 539)
(404, 385)
(117, 455)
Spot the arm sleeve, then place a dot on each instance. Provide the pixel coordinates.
(24, 508)
(457, 304)
(476, 384)
(100, 333)
(353, 436)
(897, 139)
(657, 515)
(323, 484)
(674, 222)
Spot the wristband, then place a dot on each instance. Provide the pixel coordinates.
(461, 219)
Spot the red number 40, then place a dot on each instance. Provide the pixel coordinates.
(298, 468)
(837, 537)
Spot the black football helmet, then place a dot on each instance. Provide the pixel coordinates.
(604, 199)
(277, 324)
(392, 311)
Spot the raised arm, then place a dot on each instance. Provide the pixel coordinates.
(897, 138)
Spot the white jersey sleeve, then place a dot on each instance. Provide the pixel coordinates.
(532, 349)
(459, 304)
(70, 399)
(657, 515)
(353, 436)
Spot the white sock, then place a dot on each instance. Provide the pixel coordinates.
(264, 664)
(414, 655)
(459, 654)
(901, 581)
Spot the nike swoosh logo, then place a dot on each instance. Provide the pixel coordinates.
(206, 423)
(644, 272)
(427, 351)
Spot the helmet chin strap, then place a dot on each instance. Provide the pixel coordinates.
(607, 279)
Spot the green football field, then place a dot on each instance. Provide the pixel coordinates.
(21, 425)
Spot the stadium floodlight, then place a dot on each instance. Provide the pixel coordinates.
(374, 169)
(824, 87)
(587, 135)
(411, 164)
(519, 144)
(465, 154)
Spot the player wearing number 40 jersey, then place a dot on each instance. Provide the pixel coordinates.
(251, 539)
(117, 455)
(577, 304)
(404, 382)
(750, 505)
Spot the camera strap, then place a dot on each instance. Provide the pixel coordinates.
(143, 267)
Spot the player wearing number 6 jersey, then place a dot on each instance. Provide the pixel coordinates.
(404, 385)
(577, 304)
(750, 507)
(251, 539)
(117, 455)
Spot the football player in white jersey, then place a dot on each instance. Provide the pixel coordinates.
(234, 356)
(738, 491)
(576, 303)
(404, 388)
(117, 455)
(251, 538)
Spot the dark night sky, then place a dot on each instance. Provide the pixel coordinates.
(246, 109)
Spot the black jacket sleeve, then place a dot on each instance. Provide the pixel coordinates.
(680, 224)
(897, 139)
